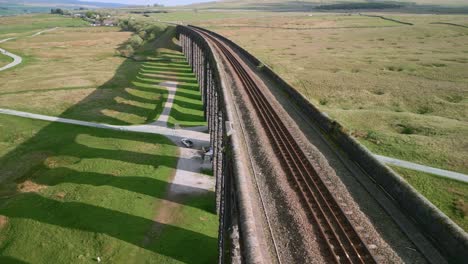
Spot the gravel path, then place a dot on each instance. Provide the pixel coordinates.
(150, 128)
(17, 59)
(418, 167)
(187, 179)
(164, 117)
(43, 31)
(7, 39)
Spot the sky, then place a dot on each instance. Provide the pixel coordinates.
(150, 2)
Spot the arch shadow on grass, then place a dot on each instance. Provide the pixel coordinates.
(65, 158)
(95, 219)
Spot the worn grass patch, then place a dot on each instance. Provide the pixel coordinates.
(450, 196)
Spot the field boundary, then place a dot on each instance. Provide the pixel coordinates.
(310, 28)
(440, 229)
(388, 19)
(449, 24)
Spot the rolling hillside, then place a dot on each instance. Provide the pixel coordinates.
(14, 7)
(419, 2)
(450, 6)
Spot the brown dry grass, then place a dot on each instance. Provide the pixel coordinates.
(29, 186)
(60, 195)
(61, 68)
(3, 221)
(462, 206)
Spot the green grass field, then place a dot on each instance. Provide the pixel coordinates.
(79, 193)
(21, 25)
(4, 60)
(450, 196)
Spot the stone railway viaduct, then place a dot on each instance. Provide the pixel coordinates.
(204, 66)
(238, 238)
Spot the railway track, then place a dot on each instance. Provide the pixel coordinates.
(343, 243)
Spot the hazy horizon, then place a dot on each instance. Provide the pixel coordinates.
(151, 2)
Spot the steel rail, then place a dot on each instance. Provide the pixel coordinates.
(343, 242)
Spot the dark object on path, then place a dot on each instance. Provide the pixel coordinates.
(187, 142)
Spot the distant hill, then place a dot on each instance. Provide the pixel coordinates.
(310, 5)
(14, 7)
(324, 2)
(75, 3)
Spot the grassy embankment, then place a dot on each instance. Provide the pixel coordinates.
(71, 194)
(400, 90)
(450, 196)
